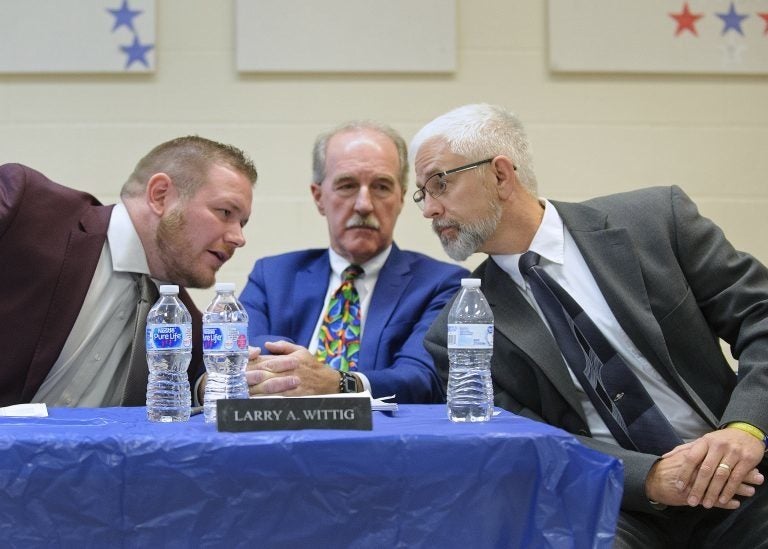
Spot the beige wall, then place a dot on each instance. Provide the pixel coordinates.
(591, 134)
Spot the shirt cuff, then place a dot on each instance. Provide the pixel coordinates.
(364, 381)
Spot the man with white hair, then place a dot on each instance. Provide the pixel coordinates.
(608, 315)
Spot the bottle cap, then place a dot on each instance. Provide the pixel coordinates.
(225, 286)
(470, 282)
(169, 289)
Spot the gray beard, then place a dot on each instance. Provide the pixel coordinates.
(470, 236)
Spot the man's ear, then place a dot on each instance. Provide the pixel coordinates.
(317, 193)
(160, 193)
(506, 176)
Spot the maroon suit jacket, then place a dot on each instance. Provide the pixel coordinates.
(51, 238)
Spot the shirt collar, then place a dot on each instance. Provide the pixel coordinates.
(124, 243)
(548, 242)
(370, 267)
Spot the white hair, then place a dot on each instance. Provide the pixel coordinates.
(479, 131)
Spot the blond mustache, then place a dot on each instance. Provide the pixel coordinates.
(368, 222)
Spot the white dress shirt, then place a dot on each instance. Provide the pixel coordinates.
(91, 369)
(364, 285)
(562, 260)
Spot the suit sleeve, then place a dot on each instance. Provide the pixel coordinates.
(435, 342)
(731, 291)
(411, 374)
(254, 299)
(724, 295)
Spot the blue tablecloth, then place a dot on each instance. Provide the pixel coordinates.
(108, 478)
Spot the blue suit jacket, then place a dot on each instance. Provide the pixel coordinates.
(285, 294)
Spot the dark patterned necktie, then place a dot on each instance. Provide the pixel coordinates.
(625, 406)
(339, 336)
(135, 391)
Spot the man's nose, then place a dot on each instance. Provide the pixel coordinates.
(432, 206)
(235, 236)
(363, 203)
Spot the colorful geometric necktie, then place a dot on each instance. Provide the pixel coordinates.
(339, 336)
(619, 397)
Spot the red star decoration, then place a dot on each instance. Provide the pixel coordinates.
(686, 20)
(764, 16)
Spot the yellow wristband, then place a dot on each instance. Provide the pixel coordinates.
(747, 428)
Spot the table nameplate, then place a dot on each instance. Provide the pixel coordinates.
(271, 414)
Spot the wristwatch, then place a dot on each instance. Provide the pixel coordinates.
(347, 382)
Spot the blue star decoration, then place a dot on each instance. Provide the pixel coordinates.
(137, 52)
(124, 16)
(732, 20)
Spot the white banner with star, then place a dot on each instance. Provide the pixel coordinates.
(77, 36)
(664, 36)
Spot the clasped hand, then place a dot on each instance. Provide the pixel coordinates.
(290, 370)
(709, 471)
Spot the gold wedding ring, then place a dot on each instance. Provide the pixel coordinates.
(724, 466)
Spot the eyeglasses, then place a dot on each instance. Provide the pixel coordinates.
(437, 184)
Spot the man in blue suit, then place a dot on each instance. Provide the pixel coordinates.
(360, 171)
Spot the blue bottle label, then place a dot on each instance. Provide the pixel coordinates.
(470, 336)
(225, 337)
(165, 337)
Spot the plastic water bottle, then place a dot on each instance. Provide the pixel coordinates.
(225, 349)
(169, 350)
(470, 346)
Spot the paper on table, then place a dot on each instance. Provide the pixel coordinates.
(380, 404)
(376, 403)
(37, 409)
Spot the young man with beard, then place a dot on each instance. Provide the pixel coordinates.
(614, 301)
(74, 270)
(360, 174)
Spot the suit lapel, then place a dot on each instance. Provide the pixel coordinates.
(517, 321)
(79, 263)
(394, 278)
(309, 289)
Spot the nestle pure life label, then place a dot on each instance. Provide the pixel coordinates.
(164, 337)
(231, 337)
(470, 336)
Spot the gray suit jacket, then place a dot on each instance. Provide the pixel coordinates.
(675, 284)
